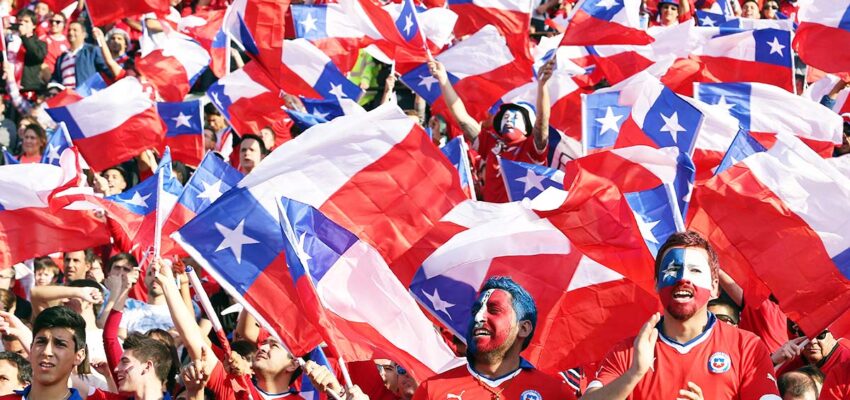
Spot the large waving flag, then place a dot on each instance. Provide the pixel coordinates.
(527, 181)
(258, 27)
(185, 130)
(595, 22)
(511, 18)
(58, 141)
(823, 24)
(762, 55)
(743, 146)
(336, 28)
(364, 172)
(346, 287)
(104, 12)
(30, 226)
(211, 180)
(480, 84)
(248, 98)
(776, 220)
(310, 73)
(457, 152)
(822, 87)
(121, 118)
(603, 117)
(602, 220)
(765, 109)
(574, 294)
(135, 210)
(173, 65)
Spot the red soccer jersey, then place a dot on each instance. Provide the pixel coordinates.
(462, 383)
(836, 386)
(725, 362)
(524, 151)
(768, 322)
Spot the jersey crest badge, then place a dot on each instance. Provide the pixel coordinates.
(719, 363)
(530, 395)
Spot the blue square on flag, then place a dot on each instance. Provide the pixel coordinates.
(734, 98)
(773, 46)
(605, 116)
(672, 121)
(406, 22)
(654, 215)
(181, 118)
(310, 21)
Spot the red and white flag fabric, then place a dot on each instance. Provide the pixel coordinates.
(596, 305)
(772, 218)
(511, 18)
(41, 211)
(104, 12)
(173, 64)
(121, 118)
(823, 24)
(823, 86)
(595, 22)
(248, 98)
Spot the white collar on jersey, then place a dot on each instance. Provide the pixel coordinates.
(684, 348)
(523, 364)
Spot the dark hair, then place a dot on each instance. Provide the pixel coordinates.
(131, 259)
(23, 365)
(263, 150)
(88, 283)
(688, 239)
(7, 299)
(796, 384)
(521, 300)
(39, 130)
(62, 317)
(720, 301)
(181, 172)
(209, 109)
(146, 349)
(45, 263)
(244, 348)
(120, 170)
(26, 13)
(813, 372)
(162, 336)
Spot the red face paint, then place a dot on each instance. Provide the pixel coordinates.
(493, 322)
(684, 282)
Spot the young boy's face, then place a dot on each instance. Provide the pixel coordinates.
(44, 277)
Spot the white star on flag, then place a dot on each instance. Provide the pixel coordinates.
(726, 105)
(322, 115)
(438, 303)
(138, 200)
(646, 228)
(211, 192)
(234, 239)
(182, 120)
(336, 90)
(776, 47)
(427, 81)
(707, 21)
(608, 4)
(300, 249)
(52, 153)
(408, 23)
(609, 122)
(531, 181)
(309, 23)
(671, 125)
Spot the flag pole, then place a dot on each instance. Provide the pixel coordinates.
(204, 299)
(421, 31)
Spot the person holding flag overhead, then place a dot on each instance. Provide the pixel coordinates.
(686, 354)
(512, 134)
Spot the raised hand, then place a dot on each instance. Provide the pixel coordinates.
(693, 392)
(438, 71)
(789, 350)
(645, 346)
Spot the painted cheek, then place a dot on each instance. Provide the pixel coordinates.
(499, 323)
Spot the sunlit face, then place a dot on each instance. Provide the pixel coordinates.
(154, 289)
(669, 14)
(9, 381)
(116, 43)
(217, 122)
(115, 180)
(272, 358)
(495, 325)
(129, 373)
(76, 266)
(44, 277)
(769, 10)
(123, 267)
(209, 140)
(819, 347)
(53, 356)
(511, 119)
(32, 143)
(750, 9)
(96, 271)
(684, 280)
(76, 34)
(250, 154)
(41, 9)
(57, 24)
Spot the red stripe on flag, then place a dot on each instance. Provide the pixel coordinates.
(34, 232)
(138, 133)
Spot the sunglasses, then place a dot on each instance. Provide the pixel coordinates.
(822, 335)
(727, 319)
(771, 7)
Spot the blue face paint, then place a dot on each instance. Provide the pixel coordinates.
(672, 267)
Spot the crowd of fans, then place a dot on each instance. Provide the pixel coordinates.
(97, 322)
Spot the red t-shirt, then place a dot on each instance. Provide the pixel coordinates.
(55, 48)
(227, 386)
(524, 151)
(768, 322)
(836, 386)
(725, 362)
(840, 355)
(526, 383)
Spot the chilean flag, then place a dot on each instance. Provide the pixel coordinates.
(185, 130)
(574, 294)
(259, 28)
(603, 117)
(595, 22)
(480, 84)
(743, 146)
(527, 181)
(173, 65)
(776, 221)
(30, 225)
(135, 210)
(310, 73)
(104, 12)
(822, 87)
(762, 55)
(766, 109)
(56, 144)
(457, 152)
(94, 84)
(334, 29)
(121, 118)
(823, 24)
(364, 172)
(213, 178)
(511, 18)
(348, 290)
(9, 158)
(248, 98)
(600, 218)
(399, 30)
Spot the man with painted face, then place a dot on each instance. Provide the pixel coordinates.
(504, 318)
(687, 353)
(518, 132)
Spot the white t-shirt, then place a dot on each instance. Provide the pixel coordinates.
(142, 317)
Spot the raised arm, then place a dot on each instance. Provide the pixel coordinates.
(470, 127)
(544, 106)
(111, 64)
(42, 296)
